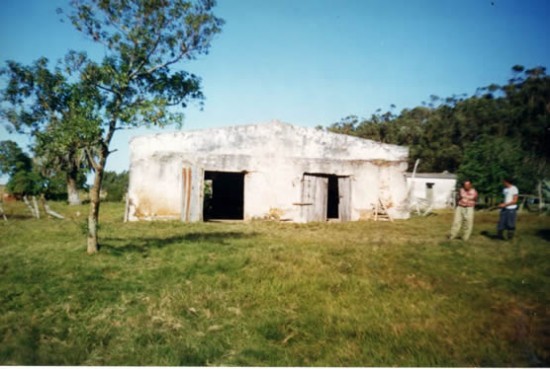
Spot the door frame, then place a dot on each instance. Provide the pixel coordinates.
(314, 197)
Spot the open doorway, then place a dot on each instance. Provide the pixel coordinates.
(333, 198)
(223, 195)
(325, 197)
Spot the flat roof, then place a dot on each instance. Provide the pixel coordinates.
(443, 175)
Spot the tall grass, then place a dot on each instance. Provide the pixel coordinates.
(272, 294)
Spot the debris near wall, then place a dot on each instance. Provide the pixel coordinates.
(381, 212)
(273, 215)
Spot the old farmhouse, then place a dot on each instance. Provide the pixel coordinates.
(261, 171)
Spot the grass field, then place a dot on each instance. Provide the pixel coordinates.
(272, 294)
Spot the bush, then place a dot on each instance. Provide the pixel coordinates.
(115, 185)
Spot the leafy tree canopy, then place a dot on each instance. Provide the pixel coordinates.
(24, 179)
(137, 80)
(61, 117)
(462, 134)
(490, 159)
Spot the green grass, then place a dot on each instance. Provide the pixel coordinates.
(272, 294)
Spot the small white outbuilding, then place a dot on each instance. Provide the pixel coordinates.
(261, 171)
(437, 189)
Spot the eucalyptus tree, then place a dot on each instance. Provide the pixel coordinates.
(138, 79)
(460, 133)
(528, 94)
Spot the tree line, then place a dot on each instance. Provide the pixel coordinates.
(499, 131)
(34, 176)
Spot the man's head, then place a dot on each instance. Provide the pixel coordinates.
(467, 185)
(507, 182)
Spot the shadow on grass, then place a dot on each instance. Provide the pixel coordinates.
(544, 234)
(119, 246)
(490, 236)
(18, 217)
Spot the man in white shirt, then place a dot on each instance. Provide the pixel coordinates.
(508, 210)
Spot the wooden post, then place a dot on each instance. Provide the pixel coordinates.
(35, 204)
(48, 210)
(27, 202)
(126, 207)
(3, 212)
(539, 193)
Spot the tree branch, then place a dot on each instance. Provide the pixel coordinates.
(91, 160)
(148, 56)
(104, 88)
(184, 50)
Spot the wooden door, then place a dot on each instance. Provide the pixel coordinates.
(314, 198)
(344, 205)
(192, 180)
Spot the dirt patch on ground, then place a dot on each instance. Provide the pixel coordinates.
(527, 327)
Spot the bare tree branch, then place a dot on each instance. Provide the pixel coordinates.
(91, 160)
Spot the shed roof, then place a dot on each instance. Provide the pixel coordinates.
(443, 175)
(268, 139)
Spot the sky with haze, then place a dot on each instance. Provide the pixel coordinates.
(313, 62)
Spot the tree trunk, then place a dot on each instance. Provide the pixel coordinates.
(99, 167)
(72, 190)
(539, 193)
(93, 216)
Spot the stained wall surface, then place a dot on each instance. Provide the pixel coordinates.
(284, 168)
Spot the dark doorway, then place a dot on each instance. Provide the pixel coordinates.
(333, 198)
(223, 195)
(430, 192)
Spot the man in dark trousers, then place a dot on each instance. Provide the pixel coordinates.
(508, 210)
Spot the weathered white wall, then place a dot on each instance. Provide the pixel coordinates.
(155, 188)
(442, 190)
(275, 157)
(392, 182)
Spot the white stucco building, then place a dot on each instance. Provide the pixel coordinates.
(436, 188)
(254, 171)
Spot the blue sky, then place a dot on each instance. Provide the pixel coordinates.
(313, 62)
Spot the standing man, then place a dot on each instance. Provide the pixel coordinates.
(508, 210)
(464, 213)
